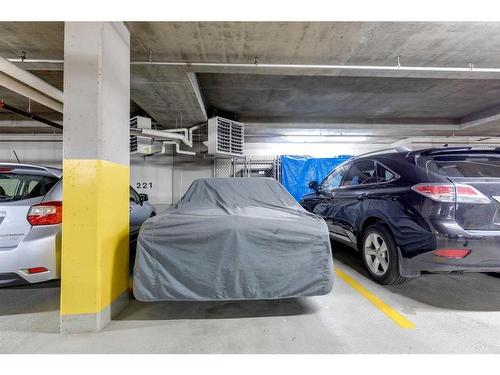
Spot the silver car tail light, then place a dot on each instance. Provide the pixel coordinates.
(47, 213)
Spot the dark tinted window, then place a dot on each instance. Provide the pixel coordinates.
(465, 165)
(383, 174)
(19, 186)
(361, 173)
(333, 180)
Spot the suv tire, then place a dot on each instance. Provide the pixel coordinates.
(380, 255)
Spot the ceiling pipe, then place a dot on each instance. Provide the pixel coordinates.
(192, 129)
(188, 132)
(160, 134)
(324, 67)
(36, 61)
(185, 131)
(177, 148)
(170, 136)
(468, 69)
(31, 138)
(29, 115)
(30, 80)
(28, 92)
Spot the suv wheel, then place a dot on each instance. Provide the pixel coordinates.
(380, 255)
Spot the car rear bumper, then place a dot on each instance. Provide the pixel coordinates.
(12, 279)
(40, 248)
(484, 256)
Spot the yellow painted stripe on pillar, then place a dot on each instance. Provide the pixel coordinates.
(396, 317)
(95, 240)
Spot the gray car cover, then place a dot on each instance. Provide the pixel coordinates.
(233, 239)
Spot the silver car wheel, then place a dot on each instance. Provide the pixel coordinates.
(376, 254)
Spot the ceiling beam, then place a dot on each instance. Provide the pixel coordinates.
(199, 95)
(28, 92)
(480, 118)
(30, 80)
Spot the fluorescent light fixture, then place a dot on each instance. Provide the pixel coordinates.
(310, 149)
(324, 139)
(324, 132)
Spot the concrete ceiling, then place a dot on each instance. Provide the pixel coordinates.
(419, 43)
(348, 98)
(273, 101)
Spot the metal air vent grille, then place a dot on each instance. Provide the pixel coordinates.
(133, 138)
(225, 137)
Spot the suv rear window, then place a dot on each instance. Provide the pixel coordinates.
(19, 186)
(465, 165)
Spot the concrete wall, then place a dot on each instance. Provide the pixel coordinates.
(153, 176)
(165, 178)
(186, 170)
(45, 153)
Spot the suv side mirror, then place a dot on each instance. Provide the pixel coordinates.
(313, 185)
(143, 198)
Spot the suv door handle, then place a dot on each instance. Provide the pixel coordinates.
(362, 196)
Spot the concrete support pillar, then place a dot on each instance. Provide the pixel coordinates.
(94, 280)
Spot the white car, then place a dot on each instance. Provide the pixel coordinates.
(30, 222)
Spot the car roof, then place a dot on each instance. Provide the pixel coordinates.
(56, 172)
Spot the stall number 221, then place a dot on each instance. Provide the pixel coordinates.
(144, 185)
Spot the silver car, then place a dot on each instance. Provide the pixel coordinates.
(30, 222)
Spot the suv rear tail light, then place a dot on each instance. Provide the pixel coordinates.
(436, 192)
(452, 253)
(47, 213)
(446, 193)
(469, 194)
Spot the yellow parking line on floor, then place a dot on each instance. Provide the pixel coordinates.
(396, 317)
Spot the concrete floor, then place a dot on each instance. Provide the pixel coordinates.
(452, 314)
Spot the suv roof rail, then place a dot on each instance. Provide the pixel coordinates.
(460, 149)
(385, 151)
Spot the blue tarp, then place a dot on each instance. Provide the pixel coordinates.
(298, 171)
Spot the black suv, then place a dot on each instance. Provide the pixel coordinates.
(411, 212)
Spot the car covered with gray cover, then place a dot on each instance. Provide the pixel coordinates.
(233, 239)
